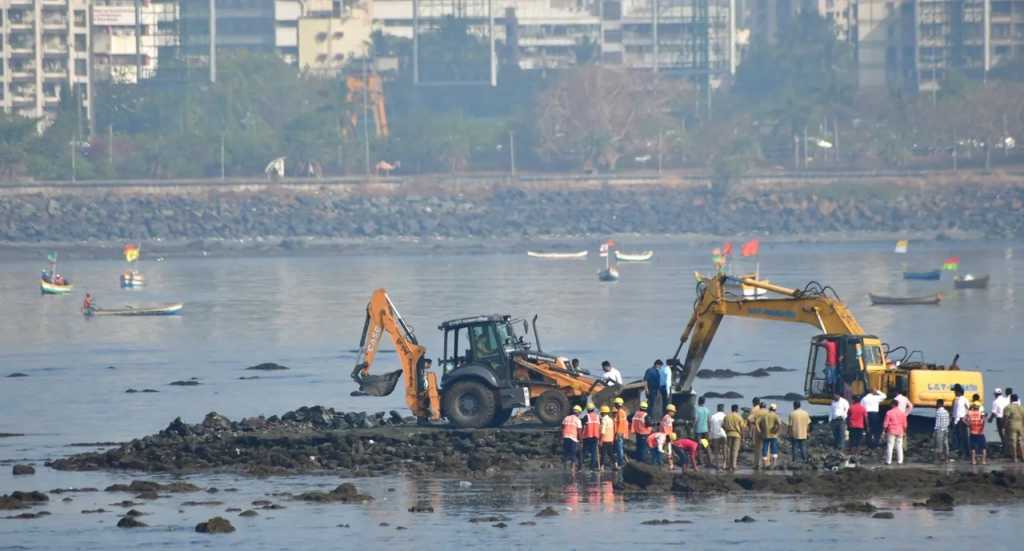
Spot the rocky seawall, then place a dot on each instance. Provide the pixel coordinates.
(988, 206)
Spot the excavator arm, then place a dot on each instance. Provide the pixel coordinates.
(814, 305)
(421, 391)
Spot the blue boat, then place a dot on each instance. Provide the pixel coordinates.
(933, 275)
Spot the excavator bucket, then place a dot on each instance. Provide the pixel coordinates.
(629, 392)
(378, 385)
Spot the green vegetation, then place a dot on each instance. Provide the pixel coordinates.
(793, 104)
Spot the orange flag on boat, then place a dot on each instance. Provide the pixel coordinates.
(606, 246)
(751, 248)
(131, 252)
(727, 248)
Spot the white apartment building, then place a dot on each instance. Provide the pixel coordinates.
(127, 36)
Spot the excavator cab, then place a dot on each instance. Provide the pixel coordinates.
(845, 364)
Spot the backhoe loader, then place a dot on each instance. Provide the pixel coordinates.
(842, 358)
(487, 371)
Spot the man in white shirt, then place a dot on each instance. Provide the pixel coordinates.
(717, 435)
(959, 427)
(999, 403)
(611, 375)
(871, 402)
(903, 403)
(837, 419)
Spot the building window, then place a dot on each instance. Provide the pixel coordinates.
(80, 68)
(79, 18)
(80, 42)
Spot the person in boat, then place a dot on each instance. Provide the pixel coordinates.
(87, 303)
(58, 280)
(45, 276)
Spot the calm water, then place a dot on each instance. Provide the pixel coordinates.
(307, 314)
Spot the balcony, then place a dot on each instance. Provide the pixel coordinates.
(55, 47)
(55, 21)
(23, 71)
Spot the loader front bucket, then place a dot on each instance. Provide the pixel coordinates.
(630, 393)
(377, 385)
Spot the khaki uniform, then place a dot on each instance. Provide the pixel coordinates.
(756, 437)
(1013, 421)
(733, 426)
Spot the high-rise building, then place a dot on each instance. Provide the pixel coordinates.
(45, 47)
(127, 36)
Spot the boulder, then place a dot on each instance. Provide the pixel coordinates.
(23, 470)
(216, 525)
(267, 366)
(548, 511)
(248, 513)
(344, 493)
(645, 476)
(130, 522)
(216, 421)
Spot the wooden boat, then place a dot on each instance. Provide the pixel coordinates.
(131, 279)
(634, 257)
(901, 301)
(557, 256)
(154, 310)
(933, 275)
(971, 282)
(608, 274)
(48, 288)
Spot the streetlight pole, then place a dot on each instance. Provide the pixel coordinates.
(366, 114)
(512, 151)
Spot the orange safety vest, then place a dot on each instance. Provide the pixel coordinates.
(621, 423)
(640, 423)
(571, 428)
(652, 440)
(607, 430)
(666, 424)
(593, 427)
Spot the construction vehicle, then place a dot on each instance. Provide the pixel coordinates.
(858, 363)
(487, 371)
(373, 88)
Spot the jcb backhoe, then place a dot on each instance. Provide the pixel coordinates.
(487, 371)
(842, 358)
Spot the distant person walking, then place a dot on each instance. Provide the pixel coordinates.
(733, 425)
(718, 437)
(571, 428)
(799, 431)
(941, 433)
(960, 408)
(642, 430)
(976, 429)
(872, 402)
(837, 420)
(895, 427)
(1013, 417)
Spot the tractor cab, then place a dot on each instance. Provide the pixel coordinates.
(847, 365)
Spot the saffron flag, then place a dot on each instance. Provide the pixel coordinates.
(951, 263)
(750, 248)
(131, 252)
(901, 246)
(727, 248)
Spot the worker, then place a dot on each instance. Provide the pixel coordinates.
(799, 431)
(718, 437)
(642, 430)
(1013, 416)
(87, 304)
(976, 401)
(655, 445)
(999, 403)
(941, 432)
(621, 418)
(668, 420)
(591, 435)
(756, 411)
(574, 366)
(837, 420)
(700, 428)
(831, 364)
(665, 382)
(960, 406)
(571, 427)
(872, 402)
(652, 380)
(607, 437)
(895, 427)
(685, 450)
(904, 403)
(733, 425)
(612, 376)
(976, 428)
(768, 426)
(856, 422)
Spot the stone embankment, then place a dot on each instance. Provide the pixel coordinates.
(942, 204)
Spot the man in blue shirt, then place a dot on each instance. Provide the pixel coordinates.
(652, 380)
(665, 381)
(700, 427)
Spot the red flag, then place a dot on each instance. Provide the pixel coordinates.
(750, 248)
(727, 248)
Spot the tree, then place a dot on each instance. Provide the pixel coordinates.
(16, 135)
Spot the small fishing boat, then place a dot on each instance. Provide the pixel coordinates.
(933, 275)
(152, 310)
(971, 282)
(557, 256)
(131, 279)
(52, 283)
(878, 300)
(634, 257)
(608, 274)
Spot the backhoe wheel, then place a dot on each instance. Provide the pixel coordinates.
(501, 417)
(470, 405)
(551, 407)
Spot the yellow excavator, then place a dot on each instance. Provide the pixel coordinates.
(842, 358)
(487, 371)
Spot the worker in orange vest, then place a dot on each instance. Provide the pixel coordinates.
(621, 431)
(655, 445)
(591, 434)
(571, 427)
(607, 437)
(667, 421)
(641, 430)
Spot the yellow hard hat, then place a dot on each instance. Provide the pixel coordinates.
(671, 436)
(618, 401)
(590, 405)
(643, 405)
(606, 409)
(704, 442)
(577, 408)
(671, 407)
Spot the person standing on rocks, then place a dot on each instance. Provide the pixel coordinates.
(769, 425)
(837, 420)
(642, 430)
(960, 407)
(799, 431)
(999, 403)
(652, 382)
(718, 437)
(607, 437)
(895, 426)
(756, 411)
(591, 435)
(856, 421)
(976, 429)
(941, 434)
(872, 402)
(1013, 418)
(668, 420)
(571, 429)
(733, 425)
(665, 384)
(700, 427)
(612, 376)
(621, 419)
